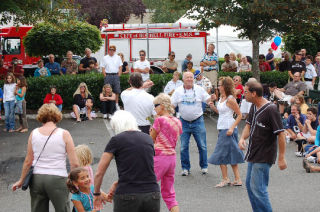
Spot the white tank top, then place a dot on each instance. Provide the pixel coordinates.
(53, 158)
(225, 119)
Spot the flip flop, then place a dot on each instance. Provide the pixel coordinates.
(236, 183)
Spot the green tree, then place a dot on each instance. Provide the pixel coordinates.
(300, 40)
(47, 38)
(33, 11)
(258, 20)
(164, 11)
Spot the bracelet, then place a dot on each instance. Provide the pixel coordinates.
(97, 194)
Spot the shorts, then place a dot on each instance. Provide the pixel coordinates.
(114, 81)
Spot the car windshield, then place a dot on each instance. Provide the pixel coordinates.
(10, 46)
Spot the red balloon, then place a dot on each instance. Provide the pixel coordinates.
(274, 46)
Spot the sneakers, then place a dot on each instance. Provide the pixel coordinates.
(117, 107)
(110, 116)
(312, 159)
(185, 172)
(105, 116)
(288, 139)
(204, 171)
(298, 154)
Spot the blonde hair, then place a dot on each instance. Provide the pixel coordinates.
(104, 87)
(49, 112)
(233, 55)
(84, 155)
(164, 99)
(87, 92)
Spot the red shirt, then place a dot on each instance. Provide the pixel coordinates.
(264, 67)
(240, 87)
(56, 98)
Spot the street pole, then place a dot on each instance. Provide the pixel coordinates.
(217, 44)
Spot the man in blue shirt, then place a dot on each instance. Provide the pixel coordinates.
(185, 62)
(209, 65)
(295, 122)
(53, 67)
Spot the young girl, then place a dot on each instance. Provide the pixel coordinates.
(82, 191)
(21, 108)
(9, 101)
(84, 156)
(108, 101)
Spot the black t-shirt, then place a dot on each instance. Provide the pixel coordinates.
(134, 152)
(85, 61)
(265, 124)
(314, 124)
(81, 102)
(285, 66)
(124, 65)
(297, 66)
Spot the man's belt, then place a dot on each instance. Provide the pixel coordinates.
(112, 73)
(306, 79)
(210, 70)
(192, 120)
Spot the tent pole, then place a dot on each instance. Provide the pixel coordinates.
(217, 44)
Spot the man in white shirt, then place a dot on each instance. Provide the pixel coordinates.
(138, 102)
(310, 76)
(142, 66)
(173, 84)
(189, 98)
(111, 69)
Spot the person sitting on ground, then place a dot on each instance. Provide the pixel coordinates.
(82, 102)
(42, 71)
(285, 65)
(189, 67)
(108, 101)
(295, 122)
(299, 100)
(312, 154)
(173, 84)
(263, 65)
(310, 75)
(286, 94)
(125, 65)
(186, 61)
(228, 65)
(238, 88)
(233, 58)
(309, 131)
(170, 65)
(53, 67)
(244, 66)
(54, 98)
(69, 65)
(271, 96)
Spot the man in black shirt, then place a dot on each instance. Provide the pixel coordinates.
(263, 128)
(286, 64)
(84, 62)
(297, 66)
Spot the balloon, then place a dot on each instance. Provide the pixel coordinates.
(277, 40)
(274, 46)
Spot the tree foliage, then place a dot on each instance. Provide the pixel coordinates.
(47, 38)
(33, 11)
(257, 20)
(115, 11)
(164, 11)
(299, 40)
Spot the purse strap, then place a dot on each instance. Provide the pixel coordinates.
(44, 146)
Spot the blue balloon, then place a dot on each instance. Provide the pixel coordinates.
(277, 40)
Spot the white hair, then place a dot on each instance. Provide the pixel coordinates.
(123, 121)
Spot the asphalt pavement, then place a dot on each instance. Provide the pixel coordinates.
(290, 190)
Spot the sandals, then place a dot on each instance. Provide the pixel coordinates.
(24, 130)
(19, 129)
(236, 183)
(223, 183)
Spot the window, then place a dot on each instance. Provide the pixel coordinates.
(10, 46)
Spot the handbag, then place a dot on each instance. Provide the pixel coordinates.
(27, 180)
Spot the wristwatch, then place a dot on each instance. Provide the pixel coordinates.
(97, 194)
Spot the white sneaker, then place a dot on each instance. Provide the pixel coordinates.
(288, 139)
(298, 154)
(117, 107)
(312, 159)
(110, 116)
(184, 172)
(204, 171)
(105, 116)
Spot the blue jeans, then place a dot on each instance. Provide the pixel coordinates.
(59, 107)
(9, 114)
(257, 186)
(198, 130)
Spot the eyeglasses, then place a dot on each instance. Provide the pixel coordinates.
(156, 105)
(172, 55)
(142, 55)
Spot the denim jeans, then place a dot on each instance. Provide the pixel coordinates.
(59, 107)
(198, 130)
(257, 186)
(9, 114)
(137, 202)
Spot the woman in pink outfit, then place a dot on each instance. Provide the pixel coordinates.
(165, 133)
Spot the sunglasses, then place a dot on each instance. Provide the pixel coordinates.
(142, 55)
(172, 55)
(156, 105)
(111, 50)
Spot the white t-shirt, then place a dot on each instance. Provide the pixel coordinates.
(111, 64)
(8, 92)
(172, 86)
(310, 72)
(139, 103)
(142, 65)
(190, 101)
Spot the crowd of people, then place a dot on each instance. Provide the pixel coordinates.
(150, 127)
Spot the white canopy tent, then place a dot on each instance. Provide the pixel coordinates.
(228, 41)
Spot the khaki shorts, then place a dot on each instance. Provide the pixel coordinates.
(212, 76)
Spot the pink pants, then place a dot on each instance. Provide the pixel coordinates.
(164, 167)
